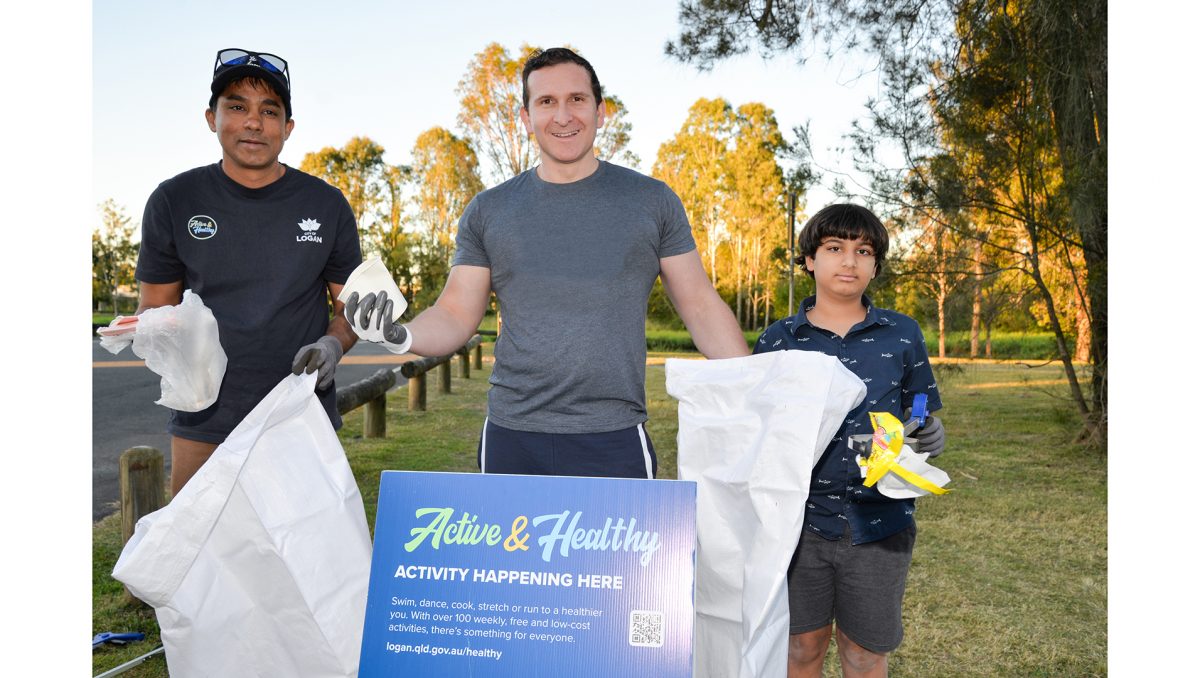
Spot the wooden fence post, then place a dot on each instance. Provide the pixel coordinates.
(141, 477)
(464, 364)
(416, 393)
(444, 373)
(141, 480)
(479, 356)
(375, 418)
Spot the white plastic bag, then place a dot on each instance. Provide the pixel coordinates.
(750, 431)
(180, 344)
(260, 565)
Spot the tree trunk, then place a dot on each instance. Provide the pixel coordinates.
(767, 309)
(977, 299)
(738, 304)
(941, 311)
(740, 282)
(1083, 334)
(1061, 341)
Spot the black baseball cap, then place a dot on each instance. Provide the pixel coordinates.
(233, 64)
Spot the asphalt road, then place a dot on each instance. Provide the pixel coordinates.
(124, 414)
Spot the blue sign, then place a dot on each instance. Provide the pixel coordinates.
(502, 575)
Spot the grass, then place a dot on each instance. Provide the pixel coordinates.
(1009, 573)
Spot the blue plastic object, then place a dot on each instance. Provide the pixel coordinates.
(920, 409)
(115, 638)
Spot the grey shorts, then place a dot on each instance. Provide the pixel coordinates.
(860, 587)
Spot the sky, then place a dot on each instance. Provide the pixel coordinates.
(123, 92)
(389, 70)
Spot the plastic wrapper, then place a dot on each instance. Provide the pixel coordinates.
(750, 431)
(892, 467)
(179, 343)
(259, 566)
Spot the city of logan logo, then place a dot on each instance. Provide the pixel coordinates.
(309, 226)
(202, 227)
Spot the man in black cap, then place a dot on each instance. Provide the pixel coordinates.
(262, 244)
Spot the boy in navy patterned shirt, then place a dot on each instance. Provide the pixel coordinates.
(856, 545)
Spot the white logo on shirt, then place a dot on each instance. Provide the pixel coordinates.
(309, 226)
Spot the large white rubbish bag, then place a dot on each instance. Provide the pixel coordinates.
(750, 431)
(260, 565)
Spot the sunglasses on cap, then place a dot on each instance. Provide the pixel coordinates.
(228, 58)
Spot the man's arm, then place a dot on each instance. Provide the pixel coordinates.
(338, 327)
(323, 355)
(444, 327)
(154, 295)
(710, 322)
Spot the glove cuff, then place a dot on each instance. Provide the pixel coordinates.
(401, 347)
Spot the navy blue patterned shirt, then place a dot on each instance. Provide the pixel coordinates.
(887, 351)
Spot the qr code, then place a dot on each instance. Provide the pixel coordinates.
(646, 628)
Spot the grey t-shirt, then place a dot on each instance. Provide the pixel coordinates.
(572, 266)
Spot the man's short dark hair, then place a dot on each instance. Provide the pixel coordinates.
(553, 57)
(256, 82)
(845, 222)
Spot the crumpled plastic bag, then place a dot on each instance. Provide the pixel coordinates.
(181, 344)
(750, 431)
(260, 565)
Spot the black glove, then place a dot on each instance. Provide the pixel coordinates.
(931, 437)
(374, 312)
(321, 357)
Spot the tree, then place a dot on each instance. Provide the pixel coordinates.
(1070, 39)
(490, 100)
(937, 262)
(386, 236)
(723, 164)
(756, 207)
(356, 168)
(691, 164)
(375, 191)
(446, 178)
(612, 141)
(1036, 68)
(114, 254)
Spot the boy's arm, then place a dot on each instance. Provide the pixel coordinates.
(931, 438)
(919, 378)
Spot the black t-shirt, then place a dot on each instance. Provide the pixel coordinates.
(261, 260)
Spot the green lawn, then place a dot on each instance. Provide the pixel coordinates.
(1009, 573)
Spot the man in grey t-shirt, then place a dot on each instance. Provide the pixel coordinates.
(572, 249)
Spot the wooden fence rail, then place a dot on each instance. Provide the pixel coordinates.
(371, 393)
